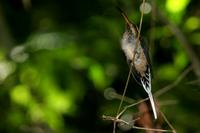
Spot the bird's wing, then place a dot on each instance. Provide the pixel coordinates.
(135, 75)
(146, 52)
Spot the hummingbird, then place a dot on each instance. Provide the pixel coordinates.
(137, 55)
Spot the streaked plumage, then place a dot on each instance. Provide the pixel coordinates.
(140, 63)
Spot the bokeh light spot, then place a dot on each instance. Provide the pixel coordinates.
(18, 54)
(146, 8)
(6, 68)
(181, 60)
(59, 102)
(110, 93)
(192, 23)
(176, 6)
(167, 72)
(21, 95)
(97, 76)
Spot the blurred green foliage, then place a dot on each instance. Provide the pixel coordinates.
(58, 57)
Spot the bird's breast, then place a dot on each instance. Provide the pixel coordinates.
(128, 45)
(133, 50)
(128, 50)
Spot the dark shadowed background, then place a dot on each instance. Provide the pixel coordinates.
(57, 58)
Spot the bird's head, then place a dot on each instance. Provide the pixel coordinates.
(131, 28)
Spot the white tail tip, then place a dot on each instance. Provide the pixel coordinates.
(153, 105)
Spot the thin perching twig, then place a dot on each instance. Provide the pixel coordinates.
(121, 102)
(166, 120)
(132, 126)
(157, 94)
(128, 78)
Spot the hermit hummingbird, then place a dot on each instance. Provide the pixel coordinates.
(137, 56)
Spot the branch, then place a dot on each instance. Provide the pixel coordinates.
(116, 120)
(157, 94)
(175, 83)
(128, 78)
(166, 120)
(183, 41)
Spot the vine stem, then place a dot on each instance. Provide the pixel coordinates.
(129, 74)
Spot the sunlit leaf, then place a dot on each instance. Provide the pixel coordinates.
(58, 101)
(55, 99)
(53, 119)
(18, 54)
(181, 60)
(36, 111)
(176, 6)
(167, 72)
(6, 68)
(21, 95)
(97, 75)
(192, 23)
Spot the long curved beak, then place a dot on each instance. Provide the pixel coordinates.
(128, 22)
(130, 26)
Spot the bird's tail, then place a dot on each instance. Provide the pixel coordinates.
(146, 83)
(152, 105)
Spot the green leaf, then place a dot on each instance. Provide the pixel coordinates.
(97, 75)
(167, 72)
(176, 6)
(180, 60)
(21, 95)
